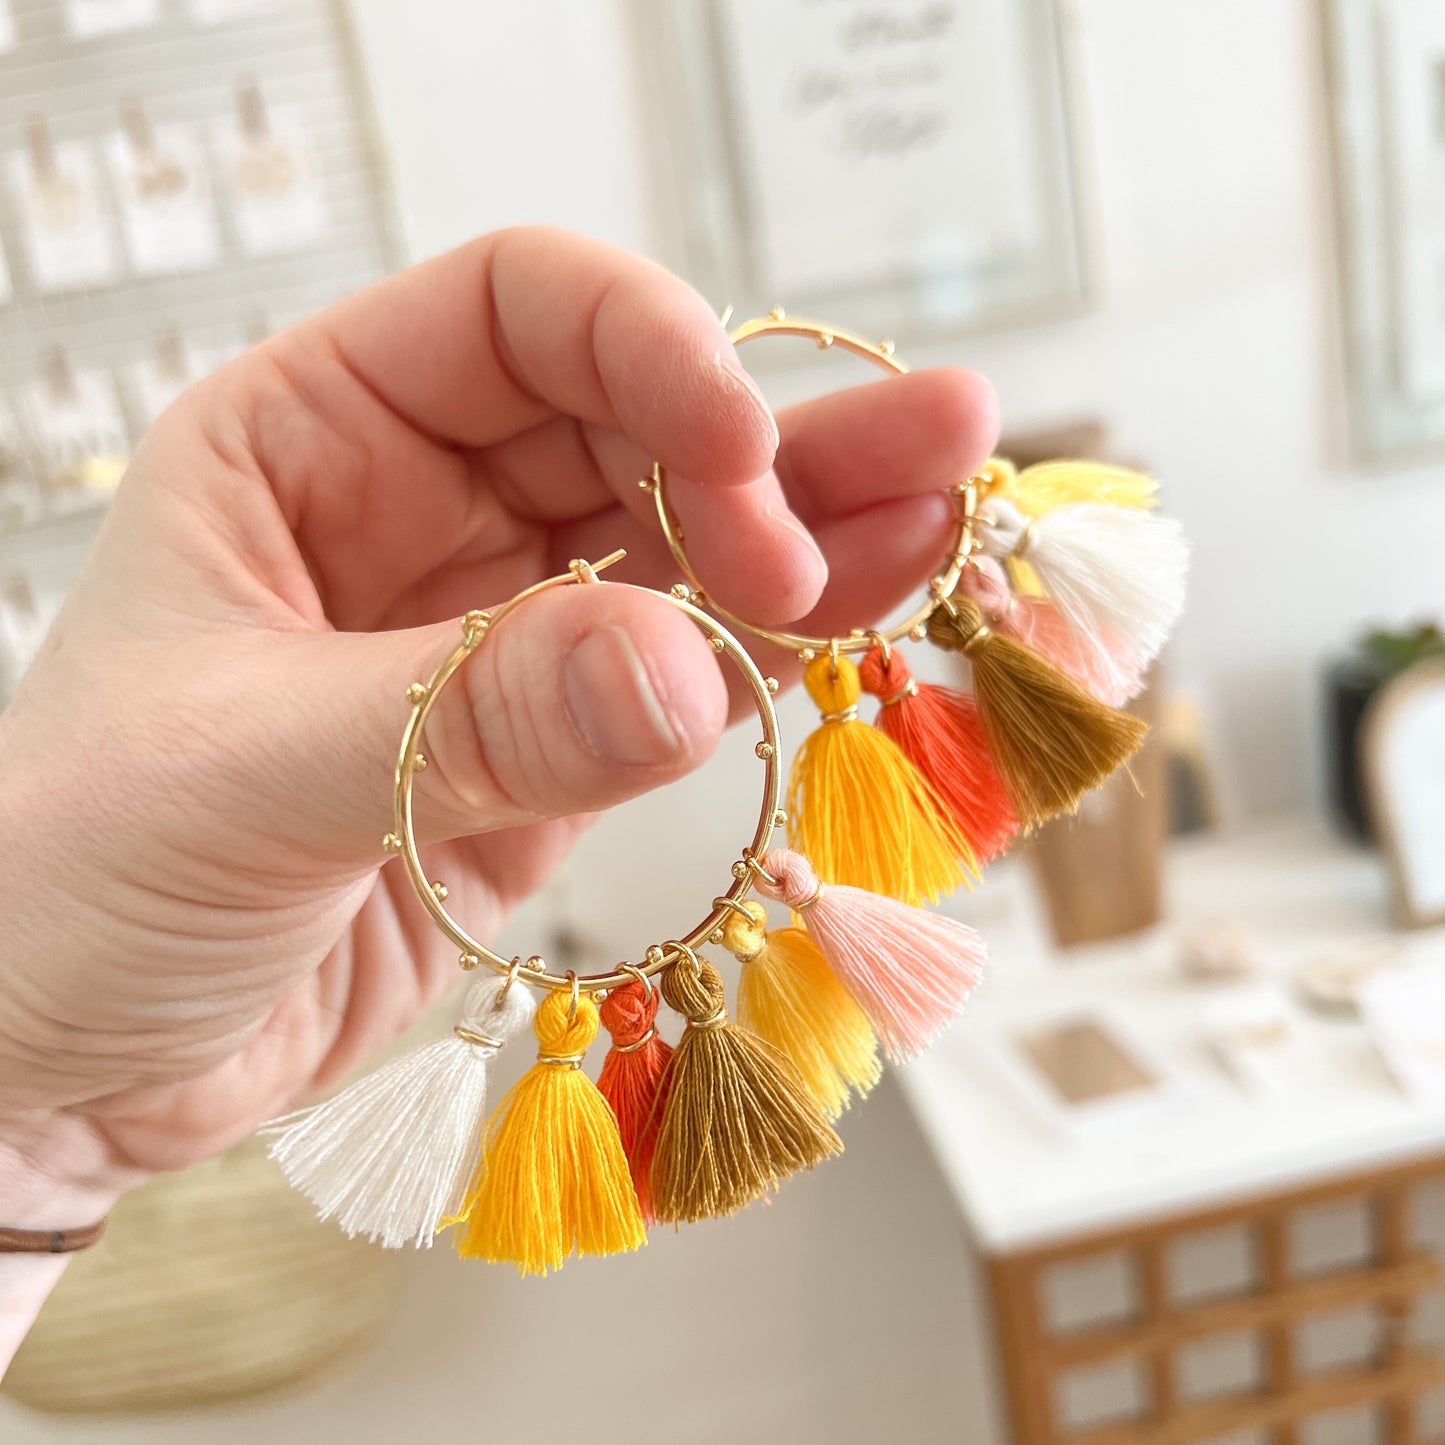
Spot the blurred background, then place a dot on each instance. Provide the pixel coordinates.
(1174, 1177)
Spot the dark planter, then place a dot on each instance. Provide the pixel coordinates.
(1349, 685)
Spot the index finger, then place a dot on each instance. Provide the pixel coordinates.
(490, 339)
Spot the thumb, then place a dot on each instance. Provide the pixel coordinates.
(579, 699)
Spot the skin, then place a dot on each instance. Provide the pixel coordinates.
(199, 929)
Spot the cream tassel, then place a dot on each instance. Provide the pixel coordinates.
(390, 1156)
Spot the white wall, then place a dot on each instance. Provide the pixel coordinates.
(1213, 352)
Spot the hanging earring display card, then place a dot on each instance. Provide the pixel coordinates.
(67, 232)
(177, 180)
(160, 181)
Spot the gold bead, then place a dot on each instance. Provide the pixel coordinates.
(681, 591)
(779, 818)
(919, 632)
(391, 843)
(469, 961)
(420, 765)
(716, 936)
(886, 346)
(645, 485)
(825, 340)
(777, 314)
(740, 871)
(536, 963)
(771, 683)
(415, 693)
(806, 655)
(765, 751)
(718, 645)
(654, 956)
(439, 892)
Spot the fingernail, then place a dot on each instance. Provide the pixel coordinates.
(730, 364)
(614, 706)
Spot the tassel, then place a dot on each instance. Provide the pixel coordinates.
(791, 999)
(553, 1179)
(738, 1119)
(1100, 666)
(938, 731)
(388, 1156)
(1110, 571)
(911, 971)
(1051, 741)
(1047, 485)
(634, 1077)
(861, 810)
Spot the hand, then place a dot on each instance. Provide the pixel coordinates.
(198, 929)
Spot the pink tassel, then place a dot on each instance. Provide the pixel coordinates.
(1100, 665)
(910, 970)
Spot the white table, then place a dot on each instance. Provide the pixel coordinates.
(1029, 1196)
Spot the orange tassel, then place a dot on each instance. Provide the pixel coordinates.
(939, 732)
(634, 1079)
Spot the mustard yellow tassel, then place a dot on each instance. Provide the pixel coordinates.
(789, 997)
(860, 811)
(1046, 485)
(553, 1180)
(737, 1120)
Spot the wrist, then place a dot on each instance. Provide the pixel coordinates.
(56, 1173)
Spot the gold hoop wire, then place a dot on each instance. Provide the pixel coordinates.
(965, 498)
(401, 841)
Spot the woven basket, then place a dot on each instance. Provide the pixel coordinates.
(209, 1285)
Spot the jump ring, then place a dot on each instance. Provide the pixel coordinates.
(576, 994)
(736, 907)
(751, 860)
(635, 972)
(513, 969)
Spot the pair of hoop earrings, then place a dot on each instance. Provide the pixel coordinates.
(1059, 587)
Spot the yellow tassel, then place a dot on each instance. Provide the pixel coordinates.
(860, 811)
(1046, 485)
(1050, 740)
(553, 1180)
(789, 997)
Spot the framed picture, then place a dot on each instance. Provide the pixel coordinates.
(907, 164)
(1082, 1073)
(1403, 743)
(1387, 100)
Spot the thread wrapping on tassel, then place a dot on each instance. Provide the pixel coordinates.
(633, 1078)
(1098, 664)
(1111, 571)
(791, 999)
(938, 730)
(1052, 741)
(553, 1180)
(389, 1156)
(861, 810)
(911, 971)
(737, 1119)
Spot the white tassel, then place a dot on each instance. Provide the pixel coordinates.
(390, 1156)
(1116, 574)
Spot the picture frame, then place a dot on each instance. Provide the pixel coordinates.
(1403, 756)
(1385, 83)
(1082, 1073)
(917, 168)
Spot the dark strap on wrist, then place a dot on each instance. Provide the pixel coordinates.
(49, 1241)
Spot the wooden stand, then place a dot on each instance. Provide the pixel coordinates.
(1033, 1358)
